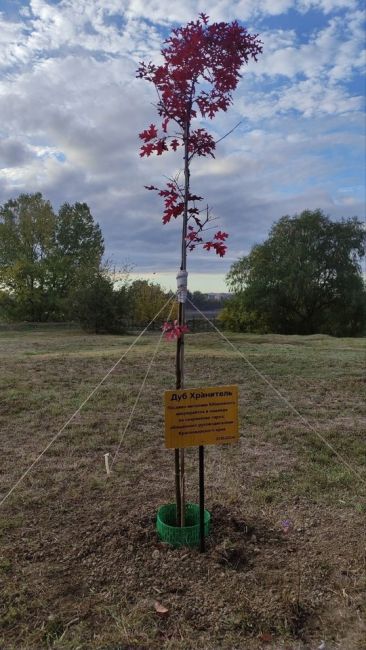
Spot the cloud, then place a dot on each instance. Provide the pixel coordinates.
(13, 153)
(71, 110)
(312, 77)
(326, 5)
(335, 52)
(77, 26)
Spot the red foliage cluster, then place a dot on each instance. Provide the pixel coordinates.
(174, 331)
(216, 243)
(200, 71)
(199, 54)
(174, 202)
(174, 207)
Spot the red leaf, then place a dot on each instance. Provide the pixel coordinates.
(220, 249)
(160, 147)
(173, 211)
(194, 197)
(208, 245)
(266, 637)
(146, 150)
(149, 134)
(174, 144)
(221, 235)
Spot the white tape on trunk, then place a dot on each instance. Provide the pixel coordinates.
(182, 286)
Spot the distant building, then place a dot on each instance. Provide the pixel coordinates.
(208, 303)
(217, 296)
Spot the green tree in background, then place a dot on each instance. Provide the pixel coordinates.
(77, 254)
(97, 305)
(51, 270)
(146, 299)
(205, 302)
(305, 278)
(27, 228)
(43, 255)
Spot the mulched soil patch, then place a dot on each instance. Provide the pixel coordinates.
(254, 584)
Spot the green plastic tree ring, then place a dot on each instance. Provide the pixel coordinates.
(188, 535)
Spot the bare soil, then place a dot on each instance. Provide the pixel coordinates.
(81, 565)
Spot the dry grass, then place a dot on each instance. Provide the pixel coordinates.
(80, 563)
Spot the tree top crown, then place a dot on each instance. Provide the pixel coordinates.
(200, 71)
(199, 54)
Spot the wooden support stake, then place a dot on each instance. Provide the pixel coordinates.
(179, 453)
(177, 487)
(201, 453)
(106, 460)
(182, 490)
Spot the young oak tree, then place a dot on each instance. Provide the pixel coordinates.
(200, 70)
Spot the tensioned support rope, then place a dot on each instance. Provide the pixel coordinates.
(306, 422)
(139, 394)
(60, 431)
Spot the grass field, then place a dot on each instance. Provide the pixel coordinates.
(80, 564)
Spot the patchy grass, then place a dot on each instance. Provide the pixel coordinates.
(80, 563)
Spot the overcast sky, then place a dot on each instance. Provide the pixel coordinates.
(71, 110)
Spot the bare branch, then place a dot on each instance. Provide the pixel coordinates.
(228, 133)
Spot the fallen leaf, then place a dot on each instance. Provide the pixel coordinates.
(265, 637)
(161, 609)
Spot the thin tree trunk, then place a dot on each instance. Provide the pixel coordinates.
(179, 454)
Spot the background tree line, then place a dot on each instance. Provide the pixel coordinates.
(205, 302)
(306, 278)
(51, 269)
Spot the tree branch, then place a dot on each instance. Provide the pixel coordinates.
(228, 133)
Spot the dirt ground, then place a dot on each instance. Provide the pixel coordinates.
(81, 566)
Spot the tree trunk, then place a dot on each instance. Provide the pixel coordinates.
(179, 454)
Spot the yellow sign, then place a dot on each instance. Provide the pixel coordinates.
(201, 416)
